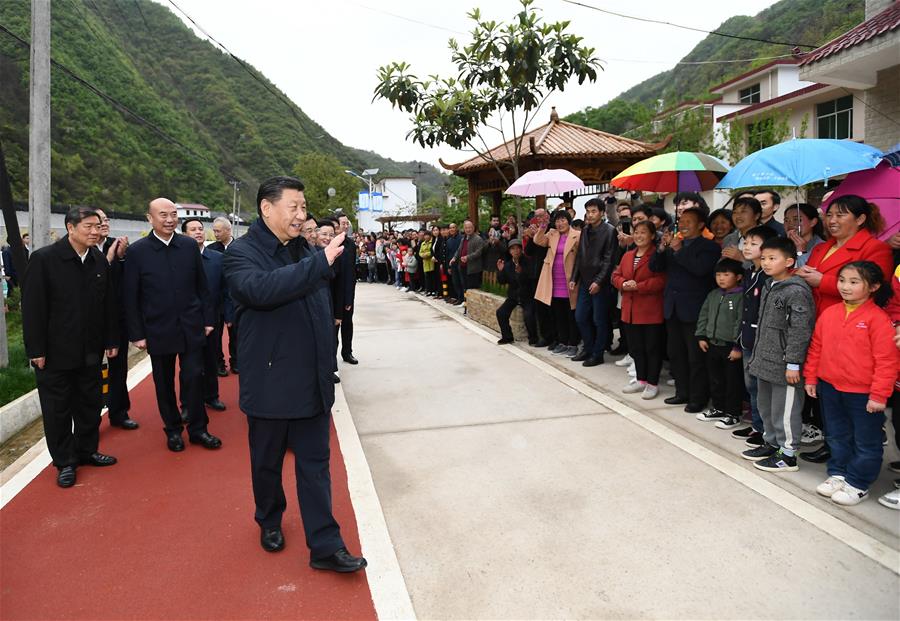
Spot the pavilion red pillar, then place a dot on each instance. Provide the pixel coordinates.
(473, 204)
(496, 203)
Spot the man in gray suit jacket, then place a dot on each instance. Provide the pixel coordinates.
(469, 255)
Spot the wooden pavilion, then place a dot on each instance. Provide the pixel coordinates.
(592, 155)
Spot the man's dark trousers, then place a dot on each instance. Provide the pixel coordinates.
(67, 397)
(308, 439)
(191, 378)
(688, 362)
(210, 390)
(505, 312)
(232, 343)
(592, 317)
(118, 401)
(347, 333)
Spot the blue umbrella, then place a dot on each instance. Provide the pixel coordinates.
(800, 161)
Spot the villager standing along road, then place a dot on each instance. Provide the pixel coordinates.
(68, 319)
(168, 314)
(287, 349)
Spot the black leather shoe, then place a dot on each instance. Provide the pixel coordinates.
(66, 476)
(222, 372)
(184, 415)
(676, 400)
(175, 443)
(271, 539)
(207, 440)
(504, 341)
(125, 424)
(693, 408)
(592, 361)
(341, 562)
(540, 343)
(98, 459)
(215, 404)
(349, 359)
(818, 456)
(581, 356)
(337, 380)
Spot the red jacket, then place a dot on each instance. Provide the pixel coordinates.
(861, 247)
(856, 353)
(644, 306)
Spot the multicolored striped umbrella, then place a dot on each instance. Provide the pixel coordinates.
(681, 171)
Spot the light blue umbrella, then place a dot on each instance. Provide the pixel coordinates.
(799, 162)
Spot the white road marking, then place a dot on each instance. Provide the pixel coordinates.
(386, 584)
(843, 532)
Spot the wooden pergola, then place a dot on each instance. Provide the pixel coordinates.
(423, 218)
(593, 156)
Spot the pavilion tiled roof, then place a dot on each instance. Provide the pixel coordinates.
(886, 21)
(561, 139)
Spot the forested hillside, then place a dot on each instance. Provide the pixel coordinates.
(808, 22)
(141, 54)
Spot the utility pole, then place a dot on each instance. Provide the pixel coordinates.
(234, 205)
(39, 126)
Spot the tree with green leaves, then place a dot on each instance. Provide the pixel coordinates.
(504, 76)
(319, 172)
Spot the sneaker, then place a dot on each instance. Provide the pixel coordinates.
(573, 352)
(670, 382)
(624, 362)
(632, 370)
(883, 436)
(729, 422)
(831, 485)
(754, 439)
(891, 500)
(633, 387)
(849, 496)
(558, 349)
(742, 434)
(710, 414)
(760, 452)
(779, 462)
(811, 435)
(650, 391)
(894, 466)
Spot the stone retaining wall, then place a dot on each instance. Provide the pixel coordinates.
(482, 307)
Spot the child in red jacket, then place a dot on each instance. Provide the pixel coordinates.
(851, 367)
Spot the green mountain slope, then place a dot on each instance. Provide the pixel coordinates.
(810, 22)
(141, 54)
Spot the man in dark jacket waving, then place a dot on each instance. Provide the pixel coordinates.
(281, 287)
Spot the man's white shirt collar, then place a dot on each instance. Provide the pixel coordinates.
(165, 241)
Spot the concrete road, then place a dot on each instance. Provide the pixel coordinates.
(509, 494)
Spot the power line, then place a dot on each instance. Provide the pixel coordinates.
(664, 23)
(699, 62)
(120, 106)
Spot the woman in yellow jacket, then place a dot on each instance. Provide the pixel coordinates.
(555, 287)
(426, 253)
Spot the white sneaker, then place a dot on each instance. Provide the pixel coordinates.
(633, 387)
(849, 495)
(632, 370)
(670, 382)
(811, 435)
(624, 362)
(891, 500)
(650, 391)
(831, 485)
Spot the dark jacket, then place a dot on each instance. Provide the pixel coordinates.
(439, 250)
(754, 282)
(219, 299)
(453, 243)
(690, 276)
(166, 295)
(596, 253)
(522, 283)
(343, 283)
(787, 315)
(537, 254)
(474, 254)
(286, 347)
(719, 321)
(68, 307)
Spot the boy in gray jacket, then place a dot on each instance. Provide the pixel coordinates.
(786, 319)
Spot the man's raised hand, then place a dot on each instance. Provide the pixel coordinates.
(334, 249)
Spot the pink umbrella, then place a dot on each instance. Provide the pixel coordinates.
(880, 185)
(548, 182)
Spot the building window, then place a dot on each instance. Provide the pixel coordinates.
(749, 95)
(834, 118)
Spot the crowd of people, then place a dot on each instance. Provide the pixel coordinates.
(790, 325)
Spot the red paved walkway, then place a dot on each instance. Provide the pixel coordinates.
(166, 535)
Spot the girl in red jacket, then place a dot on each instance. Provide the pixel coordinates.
(851, 367)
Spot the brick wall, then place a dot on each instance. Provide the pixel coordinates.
(482, 307)
(883, 133)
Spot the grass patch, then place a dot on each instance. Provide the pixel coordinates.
(18, 378)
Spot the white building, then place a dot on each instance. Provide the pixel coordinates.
(192, 210)
(391, 196)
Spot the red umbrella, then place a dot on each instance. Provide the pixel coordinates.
(880, 185)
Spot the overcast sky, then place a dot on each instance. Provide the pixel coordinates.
(325, 55)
